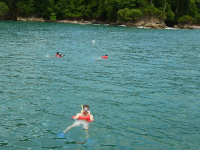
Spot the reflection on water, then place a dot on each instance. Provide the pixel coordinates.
(144, 96)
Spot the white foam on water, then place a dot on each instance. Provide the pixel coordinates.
(122, 25)
(170, 28)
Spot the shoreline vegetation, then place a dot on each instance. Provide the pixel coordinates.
(159, 14)
(151, 23)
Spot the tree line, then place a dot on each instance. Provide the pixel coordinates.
(110, 10)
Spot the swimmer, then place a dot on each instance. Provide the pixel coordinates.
(59, 55)
(106, 56)
(84, 113)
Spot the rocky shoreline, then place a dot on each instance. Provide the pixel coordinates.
(147, 25)
(150, 22)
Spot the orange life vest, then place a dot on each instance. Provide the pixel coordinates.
(84, 118)
(57, 55)
(104, 57)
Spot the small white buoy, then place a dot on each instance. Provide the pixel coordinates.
(93, 41)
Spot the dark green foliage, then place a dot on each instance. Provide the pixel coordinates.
(159, 3)
(151, 10)
(197, 2)
(26, 7)
(111, 9)
(3, 9)
(185, 19)
(197, 19)
(125, 4)
(129, 14)
(193, 9)
(135, 14)
(53, 17)
(171, 10)
(170, 13)
(101, 13)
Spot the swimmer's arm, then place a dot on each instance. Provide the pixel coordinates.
(89, 113)
(91, 118)
(77, 115)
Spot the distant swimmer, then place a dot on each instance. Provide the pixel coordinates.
(59, 55)
(82, 118)
(106, 56)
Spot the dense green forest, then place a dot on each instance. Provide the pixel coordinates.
(110, 10)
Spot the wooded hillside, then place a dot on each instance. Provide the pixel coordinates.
(110, 10)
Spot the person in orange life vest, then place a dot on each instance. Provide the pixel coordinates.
(106, 56)
(59, 55)
(84, 113)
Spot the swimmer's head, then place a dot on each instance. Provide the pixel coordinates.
(106, 55)
(86, 108)
(57, 53)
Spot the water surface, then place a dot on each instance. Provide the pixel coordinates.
(144, 96)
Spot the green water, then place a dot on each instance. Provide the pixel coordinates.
(144, 96)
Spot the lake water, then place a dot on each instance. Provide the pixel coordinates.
(144, 96)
